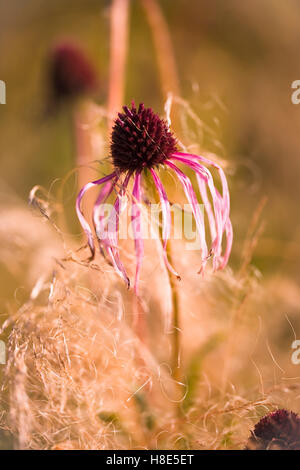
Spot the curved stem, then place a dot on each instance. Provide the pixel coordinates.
(163, 46)
(176, 333)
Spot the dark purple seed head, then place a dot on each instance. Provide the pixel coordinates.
(279, 429)
(140, 139)
(71, 73)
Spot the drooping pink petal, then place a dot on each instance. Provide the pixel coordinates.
(221, 204)
(112, 232)
(217, 227)
(98, 211)
(166, 219)
(136, 222)
(207, 205)
(85, 225)
(191, 197)
(225, 192)
(229, 237)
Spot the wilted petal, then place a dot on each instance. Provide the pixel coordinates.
(86, 227)
(112, 232)
(166, 218)
(221, 204)
(137, 227)
(191, 196)
(229, 237)
(225, 191)
(98, 211)
(217, 226)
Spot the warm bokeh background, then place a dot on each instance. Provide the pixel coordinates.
(236, 62)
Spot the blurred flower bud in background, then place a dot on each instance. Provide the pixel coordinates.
(71, 75)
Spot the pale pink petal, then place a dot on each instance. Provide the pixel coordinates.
(216, 224)
(98, 211)
(221, 203)
(225, 192)
(229, 237)
(166, 218)
(79, 212)
(191, 196)
(208, 208)
(137, 227)
(112, 232)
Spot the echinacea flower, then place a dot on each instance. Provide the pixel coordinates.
(278, 430)
(142, 141)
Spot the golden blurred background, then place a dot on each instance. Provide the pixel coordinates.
(236, 62)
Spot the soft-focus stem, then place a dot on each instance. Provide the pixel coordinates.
(118, 53)
(139, 319)
(176, 340)
(163, 47)
(176, 334)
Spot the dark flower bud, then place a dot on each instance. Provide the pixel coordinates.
(278, 430)
(71, 74)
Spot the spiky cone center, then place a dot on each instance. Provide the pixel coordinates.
(140, 139)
